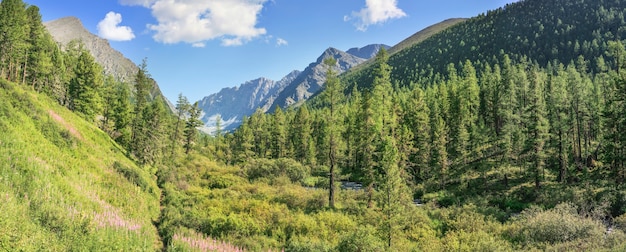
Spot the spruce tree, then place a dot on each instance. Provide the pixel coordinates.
(84, 87)
(191, 127)
(279, 134)
(122, 114)
(13, 38)
(182, 110)
(38, 65)
(301, 138)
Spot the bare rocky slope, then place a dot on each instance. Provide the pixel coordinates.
(232, 104)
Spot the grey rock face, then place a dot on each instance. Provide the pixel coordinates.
(368, 51)
(232, 104)
(313, 77)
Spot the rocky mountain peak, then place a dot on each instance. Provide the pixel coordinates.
(368, 51)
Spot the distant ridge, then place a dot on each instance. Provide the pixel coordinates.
(368, 51)
(424, 34)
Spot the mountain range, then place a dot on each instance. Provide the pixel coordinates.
(231, 105)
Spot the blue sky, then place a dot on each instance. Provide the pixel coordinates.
(197, 47)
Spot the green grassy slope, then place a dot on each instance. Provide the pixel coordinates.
(65, 185)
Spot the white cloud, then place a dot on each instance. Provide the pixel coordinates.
(197, 21)
(145, 3)
(198, 45)
(281, 42)
(375, 12)
(109, 28)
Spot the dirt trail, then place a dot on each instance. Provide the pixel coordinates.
(68, 126)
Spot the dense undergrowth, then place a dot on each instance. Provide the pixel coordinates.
(209, 205)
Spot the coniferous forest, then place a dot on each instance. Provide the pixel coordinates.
(504, 132)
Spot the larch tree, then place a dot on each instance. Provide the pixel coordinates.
(418, 120)
(537, 125)
(366, 147)
(332, 96)
(140, 132)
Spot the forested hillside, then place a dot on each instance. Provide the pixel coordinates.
(438, 147)
(517, 108)
(538, 31)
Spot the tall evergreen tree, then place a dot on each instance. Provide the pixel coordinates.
(122, 114)
(139, 128)
(537, 125)
(182, 110)
(557, 106)
(13, 38)
(84, 87)
(191, 127)
(301, 138)
(155, 122)
(366, 147)
(279, 134)
(332, 96)
(243, 141)
(394, 192)
(418, 120)
(614, 141)
(38, 65)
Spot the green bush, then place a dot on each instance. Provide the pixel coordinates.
(272, 169)
(363, 239)
(474, 241)
(137, 177)
(307, 244)
(620, 222)
(558, 225)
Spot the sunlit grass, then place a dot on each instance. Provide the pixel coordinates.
(58, 186)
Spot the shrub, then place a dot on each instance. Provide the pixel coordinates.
(307, 244)
(137, 177)
(363, 239)
(558, 225)
(620, 222)
(272, 169)
(474, 241)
